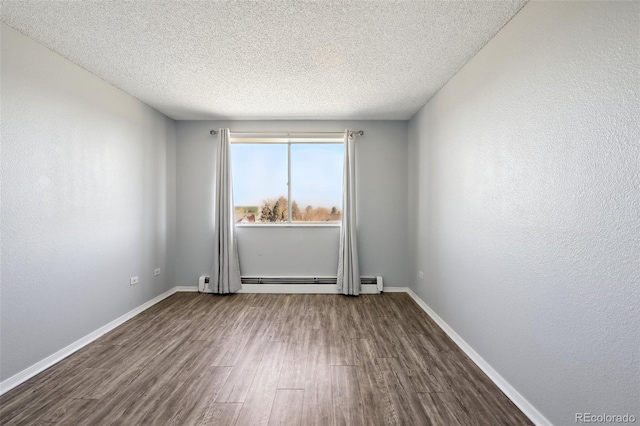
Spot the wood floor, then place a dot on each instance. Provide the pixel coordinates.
(261, 359)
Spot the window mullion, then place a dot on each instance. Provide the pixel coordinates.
(289, 201)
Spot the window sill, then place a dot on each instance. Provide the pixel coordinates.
(287, 225)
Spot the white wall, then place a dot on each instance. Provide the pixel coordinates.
(382, 194)
(525, 202)
(88, 201)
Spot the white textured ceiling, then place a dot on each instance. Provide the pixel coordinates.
(268, 60)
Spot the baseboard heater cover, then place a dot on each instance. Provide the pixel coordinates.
(370, 281)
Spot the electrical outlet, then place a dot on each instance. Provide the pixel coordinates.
(156, 271)
(420, 274)
(133, 281)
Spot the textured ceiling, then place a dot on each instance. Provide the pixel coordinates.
(268, 60)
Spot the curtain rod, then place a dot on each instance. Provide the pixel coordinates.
(358, 133)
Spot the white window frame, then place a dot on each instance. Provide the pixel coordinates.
(287, 141)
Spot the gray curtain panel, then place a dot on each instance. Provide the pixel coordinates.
(348, 268)
(225, 274)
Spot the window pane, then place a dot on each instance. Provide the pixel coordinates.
(259, 182)
(316, 182)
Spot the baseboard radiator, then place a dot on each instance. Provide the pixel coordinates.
(310, 285)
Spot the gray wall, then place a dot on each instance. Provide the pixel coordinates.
(382, 194)
(525, 206)
(88, 196)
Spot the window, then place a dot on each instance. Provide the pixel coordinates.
(267, 174)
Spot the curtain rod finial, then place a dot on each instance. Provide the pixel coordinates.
(213, 132)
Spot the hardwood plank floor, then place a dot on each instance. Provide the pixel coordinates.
(263, 359)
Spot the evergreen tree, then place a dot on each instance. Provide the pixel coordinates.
(295, 211)
(280, 210)
(266, 214)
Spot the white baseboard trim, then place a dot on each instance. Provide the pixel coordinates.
(186, 289)
(525, 406)
(295, 289)
(395, 290)
(42, 365)
(302, 289)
